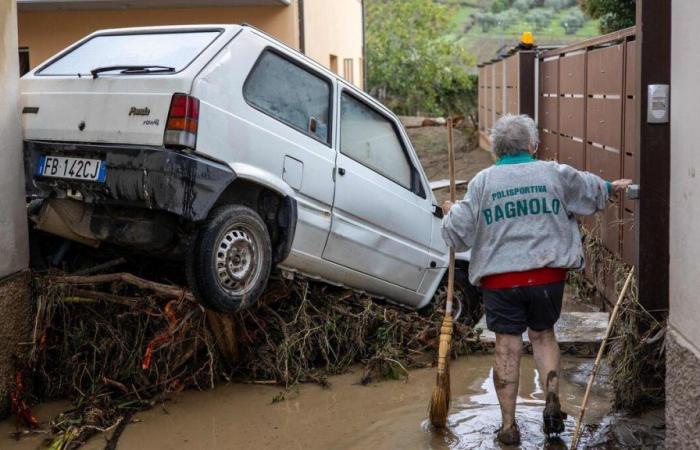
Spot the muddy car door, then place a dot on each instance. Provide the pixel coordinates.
(381, 218)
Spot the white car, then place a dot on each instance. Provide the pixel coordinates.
(222, 146)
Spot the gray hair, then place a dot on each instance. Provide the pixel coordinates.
(513, 134)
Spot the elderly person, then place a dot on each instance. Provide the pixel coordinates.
(519, 219)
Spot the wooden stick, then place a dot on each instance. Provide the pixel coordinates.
(439, 405)
(162, 289)
(596, 365)
(453, 199)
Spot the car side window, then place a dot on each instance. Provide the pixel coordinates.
(371, 139)
(291, 95)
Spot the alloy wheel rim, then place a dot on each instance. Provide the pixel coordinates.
(236, 260)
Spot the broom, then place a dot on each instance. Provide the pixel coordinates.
(596, 364)
(440, 401)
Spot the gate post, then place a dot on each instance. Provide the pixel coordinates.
(15, 304)
(652, 218)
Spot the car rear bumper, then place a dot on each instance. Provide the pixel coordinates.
(146, 177)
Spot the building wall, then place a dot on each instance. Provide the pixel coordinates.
(47, 32)
(683, 357)
(13, 221)
(15, 303)
(335, 27)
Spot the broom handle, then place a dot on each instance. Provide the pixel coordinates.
(596, 365)
(453, 199)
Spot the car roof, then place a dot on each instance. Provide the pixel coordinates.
(197, 27)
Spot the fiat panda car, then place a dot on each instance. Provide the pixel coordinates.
(221, 146)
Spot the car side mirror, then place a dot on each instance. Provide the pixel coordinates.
(437, 212)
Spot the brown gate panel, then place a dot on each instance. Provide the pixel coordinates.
(603, 162)
(631, 76)
(571, 116)
(572, 74)
(629, 247)
(605, 71)
(630, 126)
(548, 146)
(611, 226)
(549, 77)
(498, 107)
(512, 103)
(549, 113)
(571, 152)
(512, 70)
(604, 121)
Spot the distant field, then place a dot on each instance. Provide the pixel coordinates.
(483, 45)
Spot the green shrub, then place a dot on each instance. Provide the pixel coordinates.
(540, 18)
(573, 21)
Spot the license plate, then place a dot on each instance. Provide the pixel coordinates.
(72, 168)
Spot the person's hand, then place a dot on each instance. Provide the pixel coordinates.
(621, 185)
(447, 206)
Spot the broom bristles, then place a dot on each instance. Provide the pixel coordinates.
(440, 401)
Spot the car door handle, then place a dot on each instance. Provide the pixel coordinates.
(341, 171)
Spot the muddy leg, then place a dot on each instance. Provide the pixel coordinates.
(506, 374)
(545, 349)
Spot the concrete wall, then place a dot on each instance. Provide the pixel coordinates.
(334, 27)
(15, 304)
(47, 32)
(683, 366)
(13, 222)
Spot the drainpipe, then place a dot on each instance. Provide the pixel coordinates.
(364, 52)
(15, 302)
(302, 28)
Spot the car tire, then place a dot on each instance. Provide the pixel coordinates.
(472, 300)
(230, 258)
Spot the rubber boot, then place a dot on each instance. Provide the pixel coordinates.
(553, 416)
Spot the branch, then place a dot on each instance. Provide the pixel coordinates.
(162, 289)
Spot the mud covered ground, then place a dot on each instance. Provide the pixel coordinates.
(347, 415)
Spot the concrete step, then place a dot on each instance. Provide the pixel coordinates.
(578, 333)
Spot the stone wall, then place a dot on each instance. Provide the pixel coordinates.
(682, 393)
(15, 332)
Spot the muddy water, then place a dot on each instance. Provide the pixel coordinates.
(387, 415)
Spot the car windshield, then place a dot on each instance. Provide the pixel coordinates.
(168, 49)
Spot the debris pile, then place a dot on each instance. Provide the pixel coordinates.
(115, 344)
(636, 351)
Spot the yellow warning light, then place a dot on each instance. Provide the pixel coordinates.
(527, 38)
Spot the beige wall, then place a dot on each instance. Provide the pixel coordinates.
(47, 32)
(13, 215)
(685, 173)
(334, 27)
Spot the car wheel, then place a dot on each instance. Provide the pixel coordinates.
(471, 298)
(229, 261)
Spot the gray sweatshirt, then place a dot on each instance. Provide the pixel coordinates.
(520, 214)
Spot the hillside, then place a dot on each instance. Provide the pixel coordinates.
(484, 26)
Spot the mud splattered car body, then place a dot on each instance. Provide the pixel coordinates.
(224, 147)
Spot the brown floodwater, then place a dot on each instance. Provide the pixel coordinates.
(386, 415)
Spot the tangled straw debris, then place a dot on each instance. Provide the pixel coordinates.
(636, 354)
(117, 343)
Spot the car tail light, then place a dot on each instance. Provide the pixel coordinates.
(181, 128)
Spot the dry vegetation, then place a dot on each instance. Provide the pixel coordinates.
(116, 344)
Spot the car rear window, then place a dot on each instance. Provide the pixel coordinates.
(171, 49)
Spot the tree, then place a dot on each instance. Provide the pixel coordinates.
(411, 66)
(486, 21)
(540, 18)
(523, 6)
(500, 5)
(573, 21)
(613, 14)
